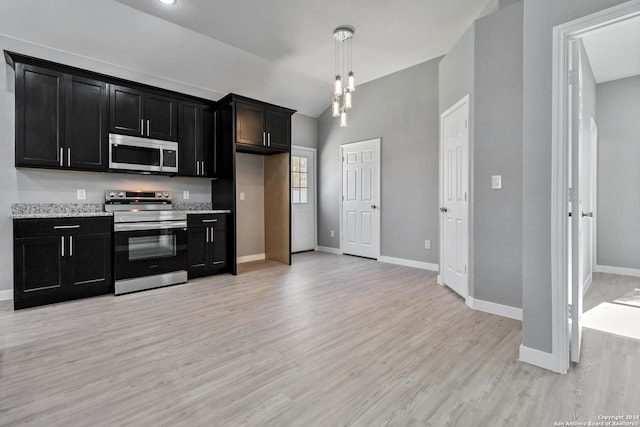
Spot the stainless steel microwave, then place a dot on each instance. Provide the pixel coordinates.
(131, 153)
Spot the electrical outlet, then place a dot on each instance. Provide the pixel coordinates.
(427, 244)
(241, 195)
(496, 182)
(333, 233)
(185, 194)
(81, 194)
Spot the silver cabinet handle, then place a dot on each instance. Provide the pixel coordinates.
(70, 245)
(62, 244)
(198, 167)
(212, 235)
(207, 238)
(269, 139)
(203, 173)
(61, 155)
(147, 127)
(142, 127)
(264, 135)
(209, 220)
(218, 262)
(68, 157)
(62, 227)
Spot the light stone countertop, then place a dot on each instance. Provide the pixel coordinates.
(73, 210)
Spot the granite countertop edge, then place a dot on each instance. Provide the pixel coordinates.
(72, 210)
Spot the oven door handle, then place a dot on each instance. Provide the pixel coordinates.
(151, 225)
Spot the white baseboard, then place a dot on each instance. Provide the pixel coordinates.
(335, 251)
(410, 263)
(538, 358)
(587, 284)
(6, 295)
(249, 258)
(493, 308)
(618, 270)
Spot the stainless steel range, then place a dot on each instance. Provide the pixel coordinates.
(150, 240)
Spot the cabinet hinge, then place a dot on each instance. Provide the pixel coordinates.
(571, 311)
(573, 77)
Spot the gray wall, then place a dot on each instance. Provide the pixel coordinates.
(618, 114)
(402, 110)
(497, 150)
(540, 16)
(304, 131)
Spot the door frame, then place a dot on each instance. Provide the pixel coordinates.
(561, 122)
(378, 148)
(315, 189)
(464, 100)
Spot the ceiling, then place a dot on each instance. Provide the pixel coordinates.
(293, 39)
(614, 50)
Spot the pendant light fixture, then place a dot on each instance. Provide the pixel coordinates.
(343, 90)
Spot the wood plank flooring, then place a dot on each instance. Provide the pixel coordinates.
(330, 341)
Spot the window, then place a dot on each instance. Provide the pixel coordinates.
(299, 179)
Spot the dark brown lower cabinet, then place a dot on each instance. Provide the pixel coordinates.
(207, 244)
(61, 259)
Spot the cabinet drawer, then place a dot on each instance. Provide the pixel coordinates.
(61, 226)
(206, 220)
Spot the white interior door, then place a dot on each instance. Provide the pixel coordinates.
(454, 125)
(360, 218)
(577, 198)
(303, 200)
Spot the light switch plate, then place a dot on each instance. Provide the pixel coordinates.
(496, 182)
(185, 194)
(427, 244)
(81, 194)
(241, 195)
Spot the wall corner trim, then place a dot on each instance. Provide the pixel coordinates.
(493, 308)
(623, 271)
(6, 295)
(410, 263)
(335, 251)
(249, 258)
(538, 358)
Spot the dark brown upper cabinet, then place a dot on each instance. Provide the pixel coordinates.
(139, 113)
(196, 140)
(61, 120)
(258, 127)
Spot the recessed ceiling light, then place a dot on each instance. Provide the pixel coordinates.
(168, 1)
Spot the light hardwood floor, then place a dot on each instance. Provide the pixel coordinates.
(332, 340)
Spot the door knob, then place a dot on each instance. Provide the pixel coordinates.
(587, 214)
(443, 210)
(374, 207)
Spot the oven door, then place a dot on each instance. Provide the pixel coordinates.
(149, 251)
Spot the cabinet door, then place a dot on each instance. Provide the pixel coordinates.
(39, 116)
(86, 134)
(161, 117)
(197, 246)
(250, 124)
(218, 246)
(126, 111)
(39, 269)
(209, 143)
(89, 258)
(278, 127)
(190, 139)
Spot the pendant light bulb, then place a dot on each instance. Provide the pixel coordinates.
(343, 118)
(335, 107)
(337, 88)
(351, 83)
(347, 99)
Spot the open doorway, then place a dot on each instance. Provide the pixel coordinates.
(593, 57)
